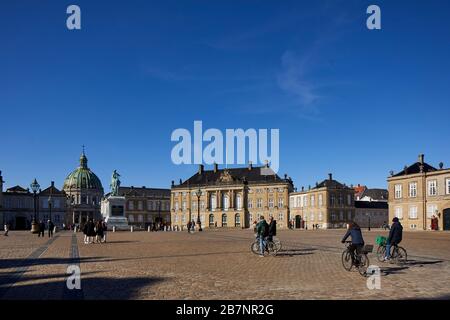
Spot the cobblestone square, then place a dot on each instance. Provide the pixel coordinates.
(215, 264)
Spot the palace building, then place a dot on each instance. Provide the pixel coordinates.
(231, 198)
(330, 204)
(418, 193)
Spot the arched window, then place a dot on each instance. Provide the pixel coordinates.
(237, 220)
(226, 202)
(224, 220)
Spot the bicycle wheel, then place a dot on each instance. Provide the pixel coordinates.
(277, 244)
(347, 261)
(381, 253)
(400, 255)
(255, 247)
(271, 248)
(363, 264)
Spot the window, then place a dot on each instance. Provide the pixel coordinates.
(237, 220)
(320, 200)
(333, 216)
(280, 216)
(270, 202)
(149, 205)
(432, 188)
(250, 217)
(140, 207)
(226, 202)
(313, 201)
(349, 200)
(291, 202)
(213, 202)
(224, 220)
(176, 218)
(305, 201)
(413, 212)
(259, 203)
(194, 205)
(332, 200)
(280, 203)
(183, 205)
(202, 218)
(320, 216)
(297, 199)
(412, 226)
(447, 183)
(239, 202)
(57, 218)
(83, 200)
(131, 218)
(413, 189)
(431, 210)
(311, 216)
(131, 205)
(349, 215)
(176, 206)
(183, 218)
(398, 191)
(140, 218)
(202, 205)
(341, 215)
(399, 212)
(341, 201)
(211, 220)
(250, 204)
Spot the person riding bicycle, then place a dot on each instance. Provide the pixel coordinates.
(354, 231)
(262, 230)
(272, 229)
(395, 237)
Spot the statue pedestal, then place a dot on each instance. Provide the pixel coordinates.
(113, 211)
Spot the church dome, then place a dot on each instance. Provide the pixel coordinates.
(82, 178)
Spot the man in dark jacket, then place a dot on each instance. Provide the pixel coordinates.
(354, 231)
(272, 229)
(395, 236)
(41, 228)
(262, 229)
(51, 226)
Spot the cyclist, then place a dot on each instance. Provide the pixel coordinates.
(395, 237)
(272, 229)
(262, 230)
(354, 231)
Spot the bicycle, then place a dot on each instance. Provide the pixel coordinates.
(398, 254)
(356, 259)
(272, 247)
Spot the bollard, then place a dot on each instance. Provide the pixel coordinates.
(114, 228)
(131, 228)
(148, 229)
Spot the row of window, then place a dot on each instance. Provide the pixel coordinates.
(432, 189)
(306, 201)
(151, 205)
(412, 211)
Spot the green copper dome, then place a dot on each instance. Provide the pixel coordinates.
(82, 177)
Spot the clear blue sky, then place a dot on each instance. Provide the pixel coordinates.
(347, 100)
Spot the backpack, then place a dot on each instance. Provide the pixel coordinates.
(265, 227)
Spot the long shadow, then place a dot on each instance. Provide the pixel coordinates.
(15, 263)
(7, 278)
(419, 262)
(395, 270)
(291, 254)
(95, 288)
(299, 250)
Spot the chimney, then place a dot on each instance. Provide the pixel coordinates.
(359, 185)
(181, 181)
(53, 184)
(250, 165)
(405, 169)
(421, 157)
(200, 168)
(143, 187)
(173, 183)
(216, 167)
(285, 176)
(330, 176)
(441, 166)
(303, 188)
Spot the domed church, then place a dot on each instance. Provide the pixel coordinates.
(84, 191)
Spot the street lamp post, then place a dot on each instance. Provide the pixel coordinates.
(159, 214)
(50, 204)
(368, 216)
(35, 188)
(199, 193)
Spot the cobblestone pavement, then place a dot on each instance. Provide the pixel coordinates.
(215, 265)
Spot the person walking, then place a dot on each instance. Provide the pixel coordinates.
(51, 226)
(90, 231)
(395, 237)
(105, 229)
(6, 229)
(189, 227)
(272, 229)
(85, 232)
(99, 229)
(41, 228)
(262, 230)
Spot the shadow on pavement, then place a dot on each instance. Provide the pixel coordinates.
(14, 263)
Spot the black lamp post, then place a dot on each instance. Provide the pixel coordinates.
(159, 214)
(368, 215)
(199, 194)
(50, 204)
(35, 188)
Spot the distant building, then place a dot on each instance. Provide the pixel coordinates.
(234, 197)
(371, 208)
(17, 208)
(146, 206)
(84, 191)
(58, 211)
(419, 192)
(330, 204)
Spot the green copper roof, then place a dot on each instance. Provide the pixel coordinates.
(82, 177)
